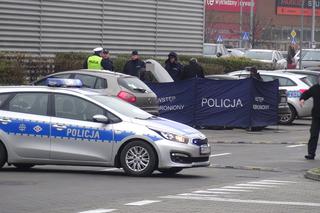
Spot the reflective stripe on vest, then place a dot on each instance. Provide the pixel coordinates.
(94, 62)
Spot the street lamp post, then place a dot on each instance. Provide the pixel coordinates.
(313, 23)
(240, 41)
(251, 21)
(301, 34)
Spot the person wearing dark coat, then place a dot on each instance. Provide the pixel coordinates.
(173, 67)
(313, 92)
(192, 70)
(134, 66)
(290, 58)
(107, 64)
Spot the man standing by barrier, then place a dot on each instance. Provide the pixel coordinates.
(173, 66)
(313, 92)
(192, 70)
(94, 61)
(107, 64)
(134, 66)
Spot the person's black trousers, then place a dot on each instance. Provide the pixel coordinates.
(314, 136)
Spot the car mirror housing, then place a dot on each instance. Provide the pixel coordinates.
(101, 119)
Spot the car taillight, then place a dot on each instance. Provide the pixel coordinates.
(127, 97)
(302, 90)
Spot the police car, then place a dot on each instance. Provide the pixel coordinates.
(42, 125)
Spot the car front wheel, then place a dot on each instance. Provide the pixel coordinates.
(138, 158)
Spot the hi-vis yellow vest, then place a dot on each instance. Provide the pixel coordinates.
(94, 62)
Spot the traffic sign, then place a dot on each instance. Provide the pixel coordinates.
(246, 36)
(293, 33)
(219, 39)
(293, 40)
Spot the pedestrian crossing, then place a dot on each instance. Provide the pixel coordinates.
(231, 191)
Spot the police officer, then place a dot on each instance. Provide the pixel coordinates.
(107, 64)
(192, 70)
(134, 66)
(313, 92)
(94, 61)
(173, 67)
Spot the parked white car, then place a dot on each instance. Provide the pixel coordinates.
(272, 57)
(215, 50)
(294, 84)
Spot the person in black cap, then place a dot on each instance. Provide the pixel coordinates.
(107, 64)
(173, 67)
(192, 70)
(134, 66)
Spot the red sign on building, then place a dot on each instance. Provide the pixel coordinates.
(230, 5)
(295, 7)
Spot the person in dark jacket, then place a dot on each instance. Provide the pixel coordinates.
(192, 70)
(134, 66)
(107, 64)
(254, 74)
(290, 58)
(313, 92)
(173, 67)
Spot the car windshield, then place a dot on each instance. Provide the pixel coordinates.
(311, 56)
(134, 84)
(258, 55)
(122, 107)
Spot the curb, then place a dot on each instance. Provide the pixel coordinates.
(250, 168)
(257, 142)
(311, 174)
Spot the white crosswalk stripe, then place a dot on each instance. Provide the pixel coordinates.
(232, 191)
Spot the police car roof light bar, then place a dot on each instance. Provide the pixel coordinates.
(60, 82)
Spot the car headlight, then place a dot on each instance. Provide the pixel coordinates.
(172, 137)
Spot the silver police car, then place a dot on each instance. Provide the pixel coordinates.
(42, 125)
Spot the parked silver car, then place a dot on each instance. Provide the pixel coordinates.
(126, 87)
(272, 57)
(63, 126)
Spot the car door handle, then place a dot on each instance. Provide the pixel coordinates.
(5, 120)
(59, 126)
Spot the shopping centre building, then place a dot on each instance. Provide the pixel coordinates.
(273, 22)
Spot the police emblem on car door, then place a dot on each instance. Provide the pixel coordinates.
(75, 136)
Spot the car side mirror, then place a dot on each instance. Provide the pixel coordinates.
(101, 119)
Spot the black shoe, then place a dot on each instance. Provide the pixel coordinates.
(309, 157)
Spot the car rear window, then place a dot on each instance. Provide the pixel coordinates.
(133, 84)
(306, 81)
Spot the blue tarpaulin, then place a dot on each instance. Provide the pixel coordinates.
(232, 103)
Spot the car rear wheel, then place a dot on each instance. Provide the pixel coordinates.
(23, 166)
(170, 171)
(287, 119)
(3, 155)
(138, 158)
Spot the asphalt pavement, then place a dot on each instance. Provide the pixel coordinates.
(250, 172)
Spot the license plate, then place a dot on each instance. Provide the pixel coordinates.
(205, 150)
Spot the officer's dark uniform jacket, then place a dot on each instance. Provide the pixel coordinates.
(133, 67)
(192, 70)
(313, 92)
(174, 69)
(107, 64)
